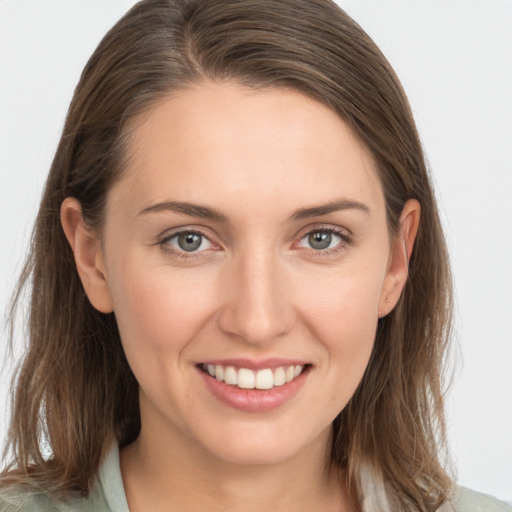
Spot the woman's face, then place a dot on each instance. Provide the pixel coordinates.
(247, 237)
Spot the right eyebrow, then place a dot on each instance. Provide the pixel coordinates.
(194, 210)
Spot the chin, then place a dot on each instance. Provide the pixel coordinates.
(265, 446)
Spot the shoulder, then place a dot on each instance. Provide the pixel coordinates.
(106, 495)
(25, 499)
(465, 500)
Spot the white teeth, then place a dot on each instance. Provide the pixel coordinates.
(246, 378)
(264, 379)
(249, 379)
(279, 377)
(231, 376)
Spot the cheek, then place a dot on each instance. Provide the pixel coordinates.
(159, 307)
(344, 305)
(348, 329)
(343, 318)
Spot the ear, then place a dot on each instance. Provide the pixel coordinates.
(88, 254)
(400, 254)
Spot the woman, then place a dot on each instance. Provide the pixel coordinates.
(227, 310)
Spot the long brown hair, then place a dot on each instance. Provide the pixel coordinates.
(75, 390)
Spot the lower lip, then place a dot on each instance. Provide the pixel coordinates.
(255, 400)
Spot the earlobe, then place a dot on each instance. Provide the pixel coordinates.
(88, 255)
(400, 255)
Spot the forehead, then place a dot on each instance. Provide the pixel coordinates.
(216, 142)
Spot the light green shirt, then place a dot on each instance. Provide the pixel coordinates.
(107, 495)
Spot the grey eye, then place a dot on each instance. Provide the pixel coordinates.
(185, 242)
(319, 240)
(189, 242)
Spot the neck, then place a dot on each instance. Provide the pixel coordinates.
(176, 474)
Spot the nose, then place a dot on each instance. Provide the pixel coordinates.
(256, 306)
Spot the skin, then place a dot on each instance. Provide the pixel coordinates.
(256, 289)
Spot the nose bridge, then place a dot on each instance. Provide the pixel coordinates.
(256, 306)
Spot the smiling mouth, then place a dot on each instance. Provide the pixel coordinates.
(245, 378)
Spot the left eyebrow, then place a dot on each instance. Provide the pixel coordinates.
(330, 207)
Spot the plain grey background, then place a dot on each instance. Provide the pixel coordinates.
(454, 58)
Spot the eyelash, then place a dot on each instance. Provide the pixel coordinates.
(164, 244)
(345, 241)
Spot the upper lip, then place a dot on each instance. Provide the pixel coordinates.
(252, 364)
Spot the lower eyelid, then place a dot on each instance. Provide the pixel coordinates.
(165, 243)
